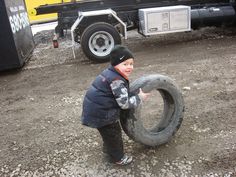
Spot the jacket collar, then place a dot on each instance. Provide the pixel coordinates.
(112, 68)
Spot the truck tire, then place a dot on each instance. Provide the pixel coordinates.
(172, 114)
(97, 41)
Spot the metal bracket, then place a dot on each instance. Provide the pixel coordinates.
(94, 13)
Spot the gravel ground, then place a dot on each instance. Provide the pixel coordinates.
(40, 130)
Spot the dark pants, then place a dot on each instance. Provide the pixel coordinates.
(112, 141)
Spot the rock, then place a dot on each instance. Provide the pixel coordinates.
(186, 88)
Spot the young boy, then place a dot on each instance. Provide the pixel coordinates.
(108, 94)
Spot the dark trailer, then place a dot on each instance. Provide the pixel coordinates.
(16, 39)
(98, 24)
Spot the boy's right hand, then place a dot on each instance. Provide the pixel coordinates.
(143, 95)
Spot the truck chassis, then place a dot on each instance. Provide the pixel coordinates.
(98, 25)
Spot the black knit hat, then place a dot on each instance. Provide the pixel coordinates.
(119, 54)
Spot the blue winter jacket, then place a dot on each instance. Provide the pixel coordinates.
(100, 107)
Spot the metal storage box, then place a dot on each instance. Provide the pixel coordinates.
(162, 20)
(16, 39)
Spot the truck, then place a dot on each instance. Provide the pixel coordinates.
(30, 4)
(99, 25)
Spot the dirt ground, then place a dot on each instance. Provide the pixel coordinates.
(40, 130)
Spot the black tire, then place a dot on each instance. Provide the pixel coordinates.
(98, 40)
(172, 115)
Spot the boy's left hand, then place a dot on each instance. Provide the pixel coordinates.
(142, 95)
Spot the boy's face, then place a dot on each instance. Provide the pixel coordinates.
(126, 67)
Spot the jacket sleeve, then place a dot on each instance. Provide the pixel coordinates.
(122, 97)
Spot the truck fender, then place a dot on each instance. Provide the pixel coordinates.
(82, 15)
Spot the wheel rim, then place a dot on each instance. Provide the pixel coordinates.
(101, 43)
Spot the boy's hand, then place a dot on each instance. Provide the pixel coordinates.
(143, 95)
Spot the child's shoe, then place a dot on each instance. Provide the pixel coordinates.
(125, 160)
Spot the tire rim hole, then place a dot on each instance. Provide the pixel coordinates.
(152, 111)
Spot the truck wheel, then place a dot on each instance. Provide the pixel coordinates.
(98, 40)
(172, 114)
